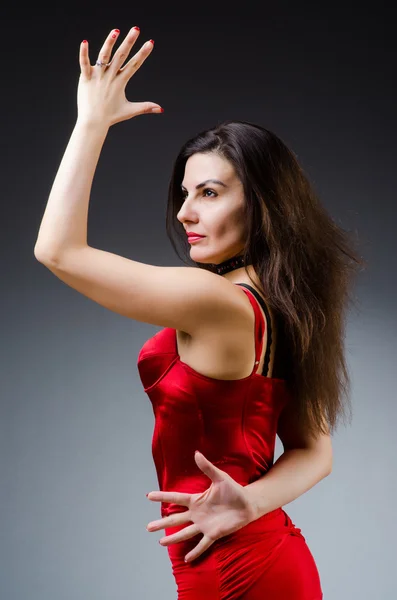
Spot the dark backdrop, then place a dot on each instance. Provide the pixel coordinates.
(76, 426)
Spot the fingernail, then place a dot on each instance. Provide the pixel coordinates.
(136, 27)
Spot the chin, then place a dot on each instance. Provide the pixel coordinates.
(205, 260)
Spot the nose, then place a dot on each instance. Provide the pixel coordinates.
(182, 214)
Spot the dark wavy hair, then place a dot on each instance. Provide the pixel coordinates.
(303, 259)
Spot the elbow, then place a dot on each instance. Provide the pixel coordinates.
(323, 457)
(44, 256)
(322, 448)
(40, 255)
(328, 465)
(328, 471)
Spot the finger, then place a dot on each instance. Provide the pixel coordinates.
(106, 50)
(208, 468)
(175, 497)
(201, 547)
(133, 109)
(137, 60)
(170, 521)
(184, 534)
(124, 49)
(84, 60)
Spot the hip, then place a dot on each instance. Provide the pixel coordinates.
(255, 560)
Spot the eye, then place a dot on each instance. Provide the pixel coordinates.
(184, 194)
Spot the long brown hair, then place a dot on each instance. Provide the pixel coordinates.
(303, 259)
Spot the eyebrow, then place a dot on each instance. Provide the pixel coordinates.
(200, 185)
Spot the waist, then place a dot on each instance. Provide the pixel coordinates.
(263, 535)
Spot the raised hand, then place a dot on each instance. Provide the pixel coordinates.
(101, 90)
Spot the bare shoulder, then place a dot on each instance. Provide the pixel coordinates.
(225, 349)
(231, 321)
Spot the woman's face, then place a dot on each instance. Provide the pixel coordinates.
(215, 210)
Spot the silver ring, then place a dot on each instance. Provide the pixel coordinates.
(100, 63)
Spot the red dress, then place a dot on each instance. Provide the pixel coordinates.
(233, 423)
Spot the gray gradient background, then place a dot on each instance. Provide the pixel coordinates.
(76, 425)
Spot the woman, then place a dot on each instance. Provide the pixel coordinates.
(252, 338)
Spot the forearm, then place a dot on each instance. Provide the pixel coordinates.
(293, 474)
(64, 224)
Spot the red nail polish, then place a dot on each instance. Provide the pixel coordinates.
(84, 41)
(136, 27)
(117, 30)
(151, 41)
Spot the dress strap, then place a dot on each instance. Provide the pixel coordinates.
(260, 327)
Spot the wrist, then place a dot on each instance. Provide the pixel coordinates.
(96, 125)
(254, 510)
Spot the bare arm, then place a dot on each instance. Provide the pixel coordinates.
(294, 473)
(182, 298)
(101, 103)
(64, 224)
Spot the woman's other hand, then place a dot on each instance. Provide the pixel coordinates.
(101, 89)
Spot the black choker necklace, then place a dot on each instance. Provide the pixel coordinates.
(230, 264)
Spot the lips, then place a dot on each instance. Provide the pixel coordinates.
(194, 235)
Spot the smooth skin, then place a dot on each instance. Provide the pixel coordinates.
(223, 508)
(219, 511)
(187, 299)
(108, 102)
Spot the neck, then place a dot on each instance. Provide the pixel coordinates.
(235, 262)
